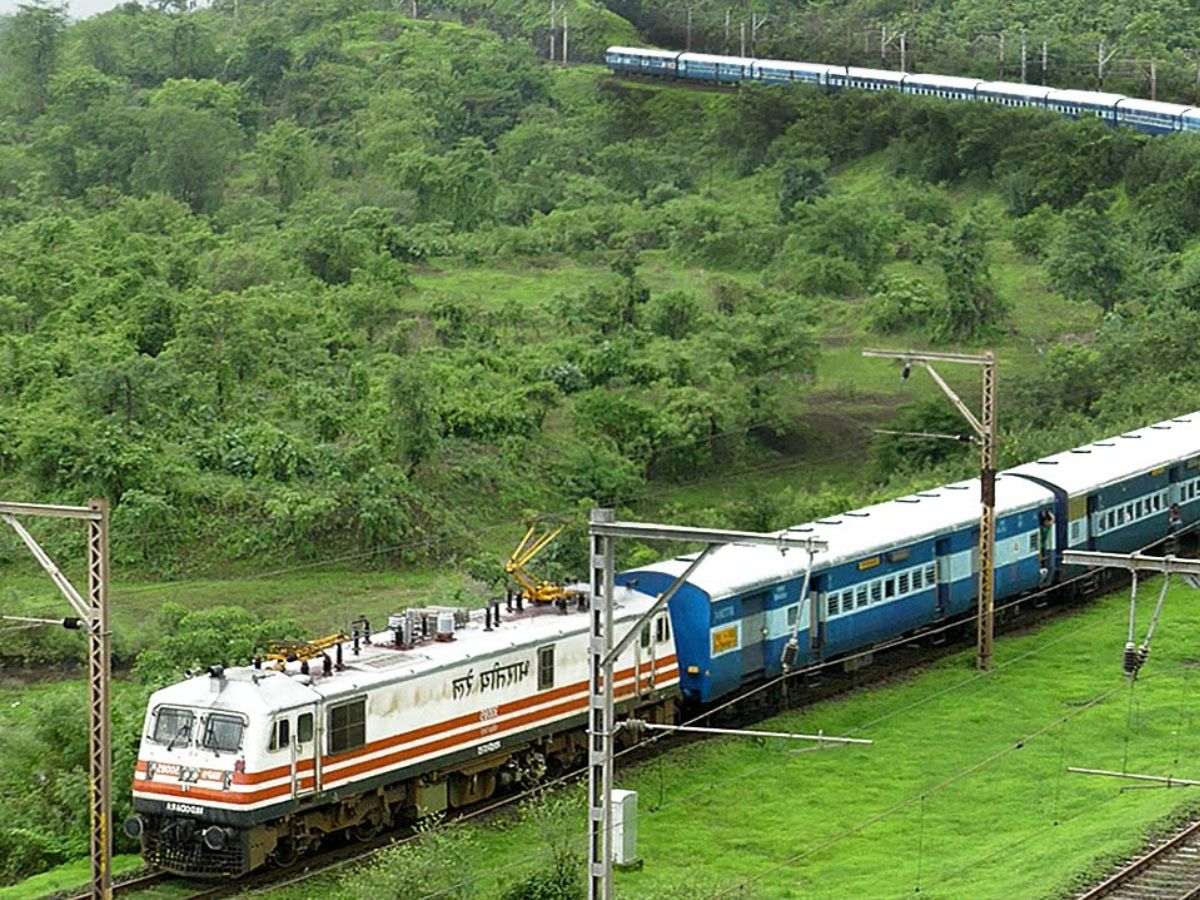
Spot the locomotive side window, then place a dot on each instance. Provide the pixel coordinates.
(280, 734)
(645, 638)
(545, 667)
(348, 726)
(173, 725)
(662, 629)
(222, 733)
(304, 729)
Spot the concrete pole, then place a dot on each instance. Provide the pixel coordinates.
(600, 722)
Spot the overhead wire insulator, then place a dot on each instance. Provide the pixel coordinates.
(1131, 663)
(790, 649)
(1143, 654)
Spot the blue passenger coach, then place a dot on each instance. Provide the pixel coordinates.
(889, 569)
(1114, 495)
(1149, 116)
(904, 565)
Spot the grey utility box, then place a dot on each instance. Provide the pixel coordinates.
(624, 819)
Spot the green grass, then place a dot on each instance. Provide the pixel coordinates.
(66, 877)
(964, 794)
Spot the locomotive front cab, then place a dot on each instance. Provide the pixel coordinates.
(185, 797)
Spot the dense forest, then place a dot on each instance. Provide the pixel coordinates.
(298, 281)
(214, 223)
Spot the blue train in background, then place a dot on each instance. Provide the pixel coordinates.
(911, 563)
(1150, 116)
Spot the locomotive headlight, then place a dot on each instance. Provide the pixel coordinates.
(151, 768)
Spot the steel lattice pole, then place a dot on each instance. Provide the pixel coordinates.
(99, 669)
(987, 519)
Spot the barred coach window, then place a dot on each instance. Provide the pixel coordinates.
(348, 726)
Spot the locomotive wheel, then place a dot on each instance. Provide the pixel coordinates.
(365, 831)
(286, 853)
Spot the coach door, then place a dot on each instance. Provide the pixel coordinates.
(305, 773)
(942, 549)
(753, 633)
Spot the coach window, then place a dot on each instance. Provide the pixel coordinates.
(889, 588)
(861, 595)
(304, 729)
(903, 578)
(281, 734)
(546, 668)
(876, 591)
(348, 726)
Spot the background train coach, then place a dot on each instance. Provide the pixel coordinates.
(1149, 116)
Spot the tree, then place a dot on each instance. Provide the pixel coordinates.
(285, 157)
(1089, 260)
(801, 180)
(416, 422)
(971, 305)
(189, 156)
(30, 41)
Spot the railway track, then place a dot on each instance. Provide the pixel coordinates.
(135, 881)
(1170, 871)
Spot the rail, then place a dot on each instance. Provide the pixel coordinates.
(1171, 871)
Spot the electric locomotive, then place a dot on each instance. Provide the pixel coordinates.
(241, 766)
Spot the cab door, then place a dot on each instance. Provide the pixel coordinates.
(305, 770)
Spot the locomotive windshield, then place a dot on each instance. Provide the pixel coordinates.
(173, 725)
(222, 733)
